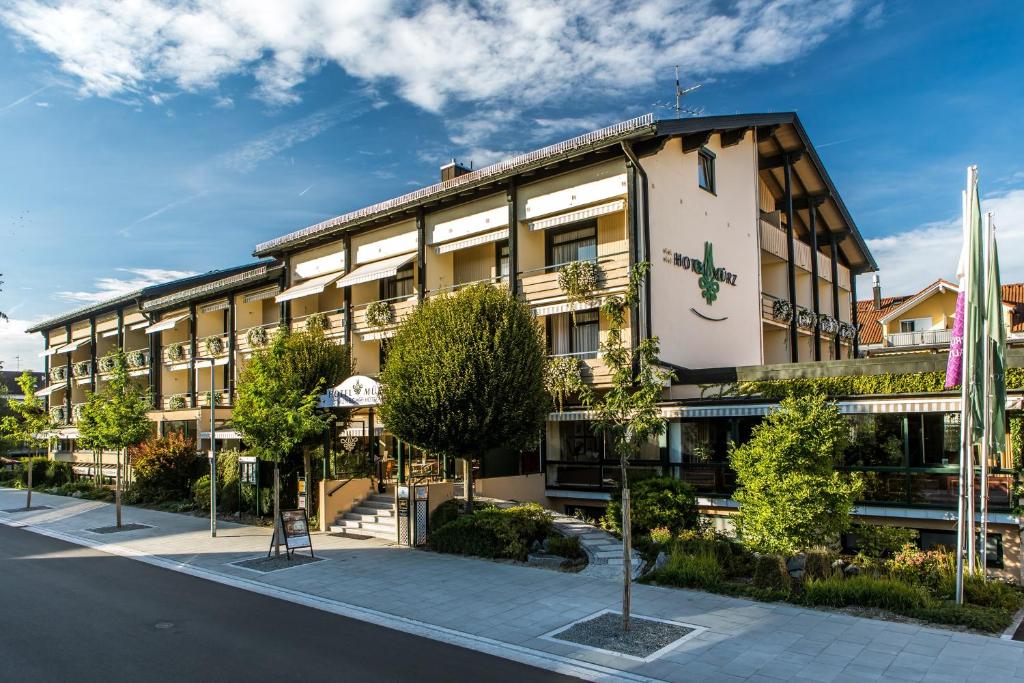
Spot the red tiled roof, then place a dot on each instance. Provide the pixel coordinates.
(871, 329)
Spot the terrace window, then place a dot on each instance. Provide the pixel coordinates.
(502, 265)
(398, 286)
(578, 337)
(706, 170)
(576, 243)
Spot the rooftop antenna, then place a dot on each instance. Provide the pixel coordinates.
(679, 107)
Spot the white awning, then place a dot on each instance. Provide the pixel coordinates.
(222, 305)
(138, 325)
(46, 391)
(67, 348)
(268, 293)
(574, 216)
(566, 307)
(474, 241)
(109, 333)
(166, 324)
(222, 434)
(313, 285)
(49, 352)
(376, 271)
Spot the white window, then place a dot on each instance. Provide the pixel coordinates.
(915, 324)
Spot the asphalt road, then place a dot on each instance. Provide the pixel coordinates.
(69, 613)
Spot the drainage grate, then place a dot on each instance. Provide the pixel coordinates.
(647, 639)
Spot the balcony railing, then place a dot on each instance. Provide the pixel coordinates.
(257, 336)
(214, 345)
(454, 288)
(220, 398)
(332, 322)
(541, 284)
(396, 311)
(778, 311)
(176, 402)
(773, 240)
(924, 338)
(176, 353)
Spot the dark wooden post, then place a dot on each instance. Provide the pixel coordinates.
(421, 254)
(346, 293)
(835, 292)
(192, 327)
(232, 333)
(794, 351)
(812, 210)
(853, 314)
(513, 238)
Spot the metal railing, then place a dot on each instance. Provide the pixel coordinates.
(923, 338)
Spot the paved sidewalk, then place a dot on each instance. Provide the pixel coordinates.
(504, 609)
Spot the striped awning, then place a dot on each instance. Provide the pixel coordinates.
(46, 391)
(260, 295)
(377, 270)
(375, 336)
(109, 333)
(167, 324)
(580, 215)
(314, 285)
(222, 434)
(67, 348)
(221, 305)
(565, 307)
(473, 241)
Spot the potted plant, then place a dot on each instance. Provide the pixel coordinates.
(782, 310)
(214, 345)
(380, 314)
(177, 402)
(257, 337)
(107, 363)
(81, 368)
(136, 359)
(318, 321)
(562, 378)
(176, 352)
(579, 281)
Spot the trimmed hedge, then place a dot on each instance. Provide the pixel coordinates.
(495, 533)
(657, 503)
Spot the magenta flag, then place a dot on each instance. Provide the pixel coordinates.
(955, 364)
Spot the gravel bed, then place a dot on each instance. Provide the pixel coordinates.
(116, 529)
(604, 632)
(12, 511)
(273, 564)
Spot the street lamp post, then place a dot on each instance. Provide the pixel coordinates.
(213, 441)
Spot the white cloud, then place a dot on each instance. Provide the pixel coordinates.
(911, 259)
(112, 287)
(17, 348)
(431, 53)
(44, 105)
(22, 99)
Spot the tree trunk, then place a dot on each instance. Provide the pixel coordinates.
(627, 550)
(117, 491)
(28, 499)
(307, 466)
(469, 485)
(278, 531)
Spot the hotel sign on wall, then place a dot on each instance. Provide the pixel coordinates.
(711, 276)
(354, 392)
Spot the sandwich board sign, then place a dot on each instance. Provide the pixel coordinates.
(295, 528)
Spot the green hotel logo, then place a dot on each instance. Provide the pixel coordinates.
(711, 277)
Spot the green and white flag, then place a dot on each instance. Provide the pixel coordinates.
(974, 304)
(996, 337)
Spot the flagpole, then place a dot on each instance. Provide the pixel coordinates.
(986, 442)
(961, 512)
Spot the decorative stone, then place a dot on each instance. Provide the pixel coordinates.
(796, 563)
(660, 561)
(797, 573)
(851, 570)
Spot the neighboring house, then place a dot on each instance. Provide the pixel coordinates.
(924, 321)
(10, 391)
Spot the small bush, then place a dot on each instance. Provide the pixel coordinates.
(163, 468)
(770, 573)
(818, 564)
(733, 558)
(879, 541)
(39, 465)
(661, 536)
(992, 593)
(933, 569)
(201, 493)
(446, 512)
(657, 503)
(58, 473)
(699, 570)
(979, 618)
(494, 532)
(866, 591)
(566, 546)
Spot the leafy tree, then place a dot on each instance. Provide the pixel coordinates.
(465, 374)
(628, 414)
(163, 467)
(273, 412)
(116, 419)
(791, 497)
(316, 363)
(28, 421)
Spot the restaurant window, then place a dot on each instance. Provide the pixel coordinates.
(578, 442)
(876, 440)
(940, 440)
(502, 255)
(705, 441)
(706, 170)
(578, 335)
(577, 243)
(398, 286)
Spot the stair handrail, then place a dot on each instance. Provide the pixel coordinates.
(340, 486)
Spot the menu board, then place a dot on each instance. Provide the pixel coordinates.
(296, 529)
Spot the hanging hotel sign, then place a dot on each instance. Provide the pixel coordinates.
(354, 392)
(711, 276)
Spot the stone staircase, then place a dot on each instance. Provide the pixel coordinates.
(372, 516)
(604, 551)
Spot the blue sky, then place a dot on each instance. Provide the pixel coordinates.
(142, 140)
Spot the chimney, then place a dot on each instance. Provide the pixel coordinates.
(876, 291)
(454, 169)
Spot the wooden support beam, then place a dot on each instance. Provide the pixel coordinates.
(695, 141)
(733, 137)
(779, 160)
(807, 201)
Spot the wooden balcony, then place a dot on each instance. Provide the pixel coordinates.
(541, 285)
(499, 281)
(176, 402)
(333, 323)
(213, 346)
(773, 241)
(399, 308)
(246, 340)
(177, 355)
(221, 398)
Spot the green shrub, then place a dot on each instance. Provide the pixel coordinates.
(164, 466)
(879, 541)
(933, 569)
(201, 493)
(227, 481)
(39, 465)
(866, 591)
(770, 573)
(818, 564)
(566, 546)
(58, 473)
(446, 512)
(979, 618)
(733, 558)
(494, 532)
(661, 536)
(992, 593)
(699, 570)
(657, 503)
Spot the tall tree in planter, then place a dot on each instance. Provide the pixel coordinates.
(274, 413)
(316, 363)
(465, 375)
(116, 418)
(791, 496)
(628, 413)
(28, 422)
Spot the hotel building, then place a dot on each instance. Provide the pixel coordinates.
(746, 193)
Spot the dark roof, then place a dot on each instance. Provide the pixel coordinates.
(265, 272)
(638, 129)
(146, 292)
(9, 379)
